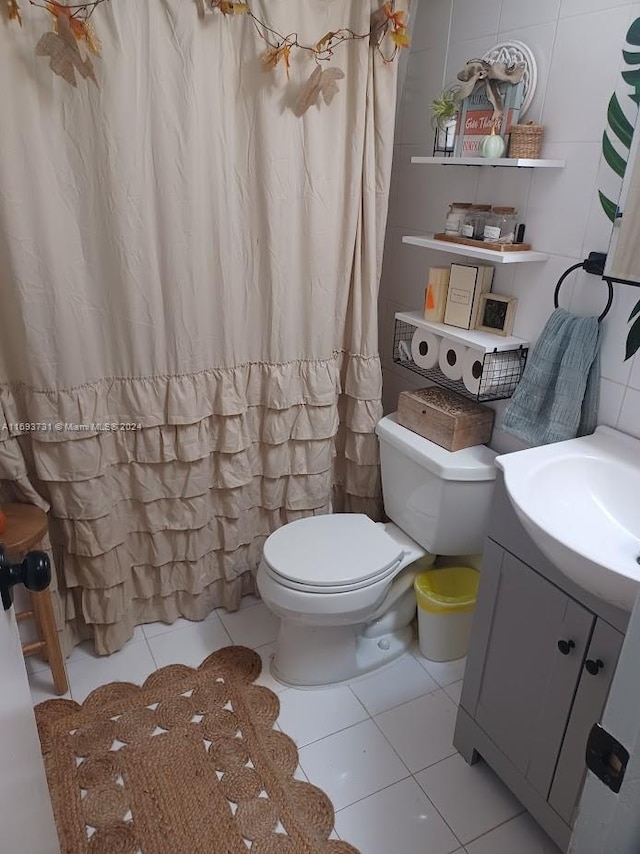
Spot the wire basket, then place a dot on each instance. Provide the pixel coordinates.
(526, 140)
(501, 369)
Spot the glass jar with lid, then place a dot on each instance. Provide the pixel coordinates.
(500, 226)
(455, 217)
(475, 221)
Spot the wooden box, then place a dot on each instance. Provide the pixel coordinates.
(446, 418)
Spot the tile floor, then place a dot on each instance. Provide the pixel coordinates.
(380, 746)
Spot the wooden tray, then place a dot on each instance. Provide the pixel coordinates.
(483, 244)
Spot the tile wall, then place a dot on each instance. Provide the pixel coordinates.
(577, 45)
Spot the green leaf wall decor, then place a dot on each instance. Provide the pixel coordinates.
(617, 163)
(608, 206)
(621, 128)
(618, 122)
(633, 338)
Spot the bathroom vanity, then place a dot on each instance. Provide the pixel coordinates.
(543, 652)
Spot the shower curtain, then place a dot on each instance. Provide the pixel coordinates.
(189, 275)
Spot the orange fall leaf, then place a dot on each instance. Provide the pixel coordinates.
(324, 41)
(91, 39)
(14, 11)
(272, 56)
(398, 19)
(229, 8)
(82, 30)
(58, 10)
(400, 38)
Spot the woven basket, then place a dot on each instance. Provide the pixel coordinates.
(526, 140)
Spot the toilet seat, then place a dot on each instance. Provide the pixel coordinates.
(324, 589)
(331, 554)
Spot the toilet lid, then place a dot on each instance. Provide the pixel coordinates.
(325, 552)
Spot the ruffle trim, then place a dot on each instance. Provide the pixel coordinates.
(109, 637)
(145, 522)
(188, 399)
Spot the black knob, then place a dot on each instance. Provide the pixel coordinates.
(34, 572)
(593, 666)
(565, 646)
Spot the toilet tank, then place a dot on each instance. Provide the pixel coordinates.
(440, 498)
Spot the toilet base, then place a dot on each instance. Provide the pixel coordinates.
(318, 656)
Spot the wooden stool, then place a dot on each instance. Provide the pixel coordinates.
(25, 527)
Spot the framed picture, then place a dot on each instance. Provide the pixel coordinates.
(496, 314)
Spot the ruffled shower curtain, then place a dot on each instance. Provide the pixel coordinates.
(182, 255)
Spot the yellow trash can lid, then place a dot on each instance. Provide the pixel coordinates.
(449, 589)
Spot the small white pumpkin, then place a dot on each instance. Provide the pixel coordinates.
(493, 146)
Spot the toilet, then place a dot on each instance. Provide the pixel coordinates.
(342, 584)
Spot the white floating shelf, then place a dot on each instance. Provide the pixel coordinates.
(517, 162)
(493, 255)
(483, 341)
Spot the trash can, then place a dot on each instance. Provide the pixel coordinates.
(446, 600)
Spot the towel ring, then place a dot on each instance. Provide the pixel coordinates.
(587, 265)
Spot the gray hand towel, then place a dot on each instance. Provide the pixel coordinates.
(557, 397)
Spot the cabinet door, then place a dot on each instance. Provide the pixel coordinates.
(527, 684)
(591, 696)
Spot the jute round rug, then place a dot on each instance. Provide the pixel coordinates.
(189, 763)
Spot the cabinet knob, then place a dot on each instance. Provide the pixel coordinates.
(594, 666)
(565, 646)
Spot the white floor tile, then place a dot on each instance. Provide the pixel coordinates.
(521, 834)
(190, 645)
(444, 672)
(133, 663)
(266, 654)
(247, 601)
(41, 685)
(454, 690)
(400, 819)
(35, 664)
(251, 627)
(308, 716)
(352, 764)
(396, 683)
(86, 648)
(470, 798)
(421, 731)
(152, 630)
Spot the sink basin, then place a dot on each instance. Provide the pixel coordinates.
(580, 502)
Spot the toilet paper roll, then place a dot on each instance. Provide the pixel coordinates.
(452, 358)
(472, 370)
(425, 347)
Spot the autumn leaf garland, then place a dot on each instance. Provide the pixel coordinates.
(322, 84)
(72, 27)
